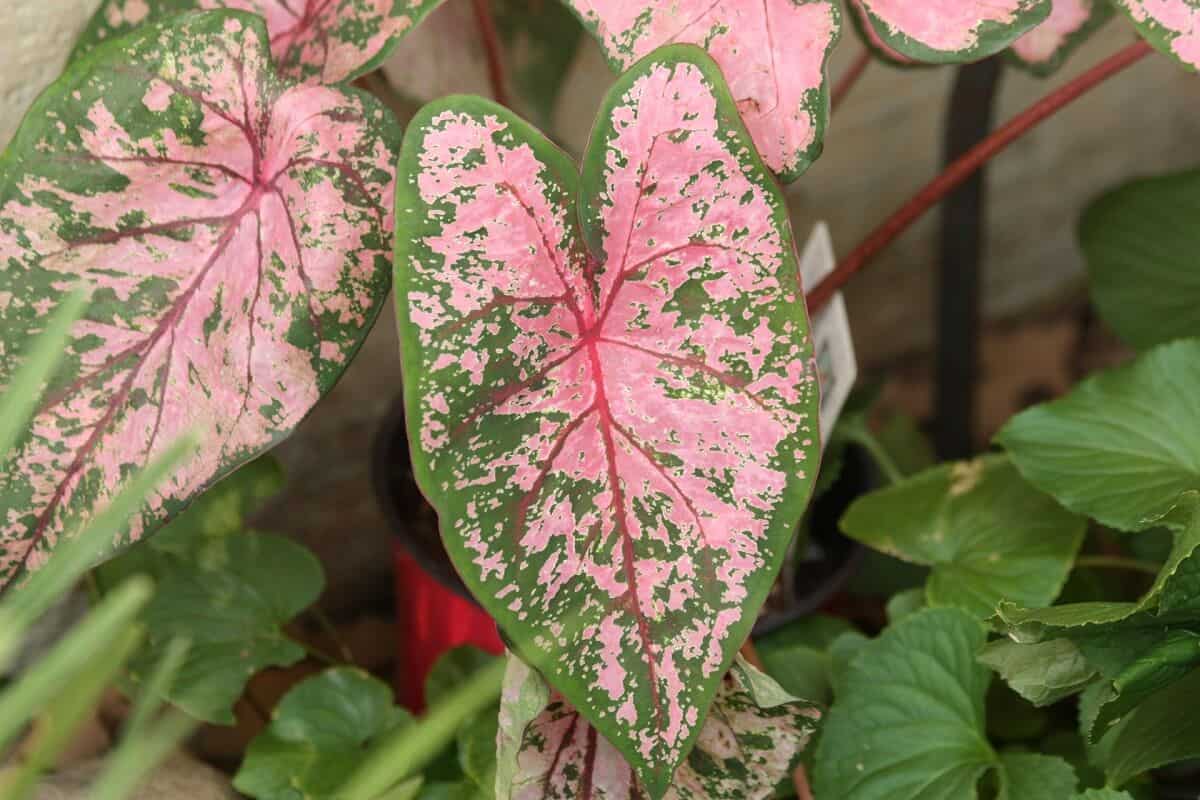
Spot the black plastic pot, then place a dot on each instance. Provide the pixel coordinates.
(822, 567)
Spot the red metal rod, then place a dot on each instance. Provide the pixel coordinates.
(966, 166)
(491, 44)
(849, 78)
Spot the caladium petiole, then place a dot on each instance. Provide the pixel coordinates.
(610, 388)
(773, 54)
(230, 229)
(316, 41)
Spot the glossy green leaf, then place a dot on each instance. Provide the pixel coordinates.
(908, 721)
(986, 534)
(318, 735)
(610, 388)
(1163, 730)
(1124, 446)
(1143, 258)
(1042, 672)
(316, 41)
(797, 655)
(226, 590)
(229, 229)
(901, 604)
(748, 745)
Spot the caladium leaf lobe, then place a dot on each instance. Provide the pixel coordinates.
(229, 229)
(1172, 26)
(773, 54)
(747, 746)
(610, 388)
(317, 41)
(947, 31)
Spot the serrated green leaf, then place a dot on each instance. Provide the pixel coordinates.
(797, 655)
(748, 745)
(1030, 776)
(1163, 730)
(908, 720)
(616, 487)
(318, 735)
(901, 604)
(987, 535)
(1042, 673)
(451, 669)
(225, 590)
(1142, 257)
(1118, 448)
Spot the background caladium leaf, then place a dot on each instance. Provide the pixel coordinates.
(316, 41)
(230, 231)
(1172, 26)
(749, 743)
(773, 53)
(947, 31)
(1045, 48)
(610, 387)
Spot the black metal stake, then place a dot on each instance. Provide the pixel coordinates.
(968, 122)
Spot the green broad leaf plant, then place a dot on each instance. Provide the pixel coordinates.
(612, 403)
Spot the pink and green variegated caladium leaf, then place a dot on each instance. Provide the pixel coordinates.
(1045, 48)
(316, 41)
(773, 54)
(1172, 26)
(610, 387)
(749, 743)
(230, 231)
(946, 31)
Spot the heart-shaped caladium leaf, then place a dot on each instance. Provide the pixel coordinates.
(749, 744)
(946, 31)
(773, 53)
(610, 387)
(230, 230)
(1172, 26)
(1045, 48)
(316, 41)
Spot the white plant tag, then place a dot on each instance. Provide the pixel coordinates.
(836, 363)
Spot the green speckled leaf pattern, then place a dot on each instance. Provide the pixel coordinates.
(610, 387)
(748, 745)
(316, 41)
(230, 230)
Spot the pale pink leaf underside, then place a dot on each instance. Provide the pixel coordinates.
(232, 234)
(746, 747)
(773, 54)
(1067, 17)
